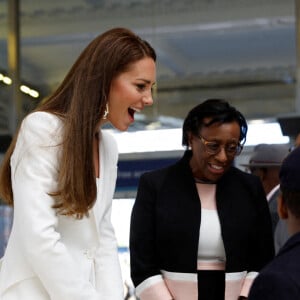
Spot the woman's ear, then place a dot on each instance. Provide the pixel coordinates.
(281, 208)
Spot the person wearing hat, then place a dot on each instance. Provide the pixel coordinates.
(265, 162)
(280, 279)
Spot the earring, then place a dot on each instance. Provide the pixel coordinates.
(106, 112)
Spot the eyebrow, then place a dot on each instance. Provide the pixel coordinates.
(216, 140)
(146, 81)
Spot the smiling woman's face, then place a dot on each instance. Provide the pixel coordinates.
(130, 92)
(211, 167)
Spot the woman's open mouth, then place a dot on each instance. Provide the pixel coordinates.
(131, 111)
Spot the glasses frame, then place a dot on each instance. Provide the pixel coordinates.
(205, 142)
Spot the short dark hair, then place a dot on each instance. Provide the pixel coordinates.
(220, 111)
(289, 176)
(292, 200)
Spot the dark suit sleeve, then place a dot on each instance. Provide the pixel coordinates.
(245, 222)
(272, 285)
(142, 233)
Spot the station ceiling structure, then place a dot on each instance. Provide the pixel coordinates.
(244, 51)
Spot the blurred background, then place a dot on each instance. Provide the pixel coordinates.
(244, 51)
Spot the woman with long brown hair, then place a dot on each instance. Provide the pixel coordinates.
(60, 171)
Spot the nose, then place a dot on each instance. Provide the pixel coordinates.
(148, 99)
(221, 155)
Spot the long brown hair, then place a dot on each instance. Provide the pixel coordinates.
(80, 102)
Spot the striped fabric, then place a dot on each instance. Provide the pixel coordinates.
(183, 286)
(153, 288)
(215, 265)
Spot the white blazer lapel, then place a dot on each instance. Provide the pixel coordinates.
(108, 156)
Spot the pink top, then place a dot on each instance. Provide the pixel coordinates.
(211, 252)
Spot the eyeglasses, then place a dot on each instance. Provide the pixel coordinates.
(213, 148)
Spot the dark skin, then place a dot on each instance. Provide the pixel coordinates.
(293, 223)
(268, 176)
(208, 167)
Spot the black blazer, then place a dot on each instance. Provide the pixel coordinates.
(280, 279)
(166, 220)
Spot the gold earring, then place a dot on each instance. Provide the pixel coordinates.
(106, 112)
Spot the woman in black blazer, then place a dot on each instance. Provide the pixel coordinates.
(201, 228)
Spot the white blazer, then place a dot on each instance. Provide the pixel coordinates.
(55, 257)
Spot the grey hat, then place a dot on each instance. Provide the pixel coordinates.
(268, 155)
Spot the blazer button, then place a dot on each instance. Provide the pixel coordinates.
(89, 253)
